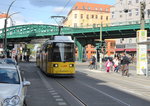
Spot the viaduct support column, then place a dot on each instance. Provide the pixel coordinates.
(80, 50)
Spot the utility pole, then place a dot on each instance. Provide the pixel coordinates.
(100, 59)
(142, 14)
(5, 31)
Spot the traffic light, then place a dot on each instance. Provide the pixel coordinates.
(142, 8)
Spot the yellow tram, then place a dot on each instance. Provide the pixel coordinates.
(57, 56)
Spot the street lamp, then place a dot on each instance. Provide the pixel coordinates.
(5, 26)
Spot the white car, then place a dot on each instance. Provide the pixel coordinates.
(13, 86)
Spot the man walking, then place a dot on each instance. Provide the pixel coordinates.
(125, 65)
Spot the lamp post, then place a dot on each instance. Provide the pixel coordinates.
(5, 32)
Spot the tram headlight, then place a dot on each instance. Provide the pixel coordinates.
(71, 65)
(55, 65)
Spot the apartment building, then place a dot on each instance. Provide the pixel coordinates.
(127, 12)
(87, 15)
(2, 21)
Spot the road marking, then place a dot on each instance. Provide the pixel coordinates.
(56, 96)
(62, 103)
(59, 99)
(52, 92)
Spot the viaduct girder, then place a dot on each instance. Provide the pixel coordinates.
(34, 31)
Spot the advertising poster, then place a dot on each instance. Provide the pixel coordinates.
(141, 52)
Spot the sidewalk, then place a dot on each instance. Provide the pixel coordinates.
(132, 69)
(138, 85)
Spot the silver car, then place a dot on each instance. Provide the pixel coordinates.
(12, 86)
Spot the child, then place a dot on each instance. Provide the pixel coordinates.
(108, 65)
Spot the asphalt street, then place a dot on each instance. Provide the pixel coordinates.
(87, 88)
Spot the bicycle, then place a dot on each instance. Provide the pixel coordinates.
(92, 66)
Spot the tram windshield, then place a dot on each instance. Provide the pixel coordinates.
(63, 52)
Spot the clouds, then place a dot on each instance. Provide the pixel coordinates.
(21, 20)
(62, 3)
(53, 3)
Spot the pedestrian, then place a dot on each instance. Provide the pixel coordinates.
(125, 65)
(93, 62)
(108, 65)
(116, 64)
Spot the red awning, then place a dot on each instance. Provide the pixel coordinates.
(119, 49)
(131, 50)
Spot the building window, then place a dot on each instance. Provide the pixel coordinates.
(94, 25)
(92, 16)
(87, 16)
(137, 1)
(136, 12)
(107, 9)
(81, 16)
(75, 25)
(101, 17)
(96, 16)
(106, 17)
(83, 7)
(75, 16)
(129, 2)
(130, 12)
(101, 9)
(148, 13)
(76, 7)
(113, 14)
(96, 8)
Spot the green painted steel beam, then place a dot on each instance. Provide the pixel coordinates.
(41, 30)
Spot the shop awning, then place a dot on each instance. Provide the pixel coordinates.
(131, 50)
(119, 49)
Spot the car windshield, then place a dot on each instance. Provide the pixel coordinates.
(9, 76)
(9, 61)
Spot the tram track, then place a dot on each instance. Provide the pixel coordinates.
(93, 88)
(72, 94)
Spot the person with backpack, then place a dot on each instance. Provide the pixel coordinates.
(125, 61)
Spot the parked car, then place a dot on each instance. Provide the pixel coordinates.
(13, 86)
(10, 61)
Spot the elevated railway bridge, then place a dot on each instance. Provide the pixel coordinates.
(82, 36)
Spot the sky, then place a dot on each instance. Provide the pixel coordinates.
(40, 11)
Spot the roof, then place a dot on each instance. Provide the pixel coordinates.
(91, 6)
(3, 15)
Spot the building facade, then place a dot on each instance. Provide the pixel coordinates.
(2, 22)
(128, 12)
(88, 15)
